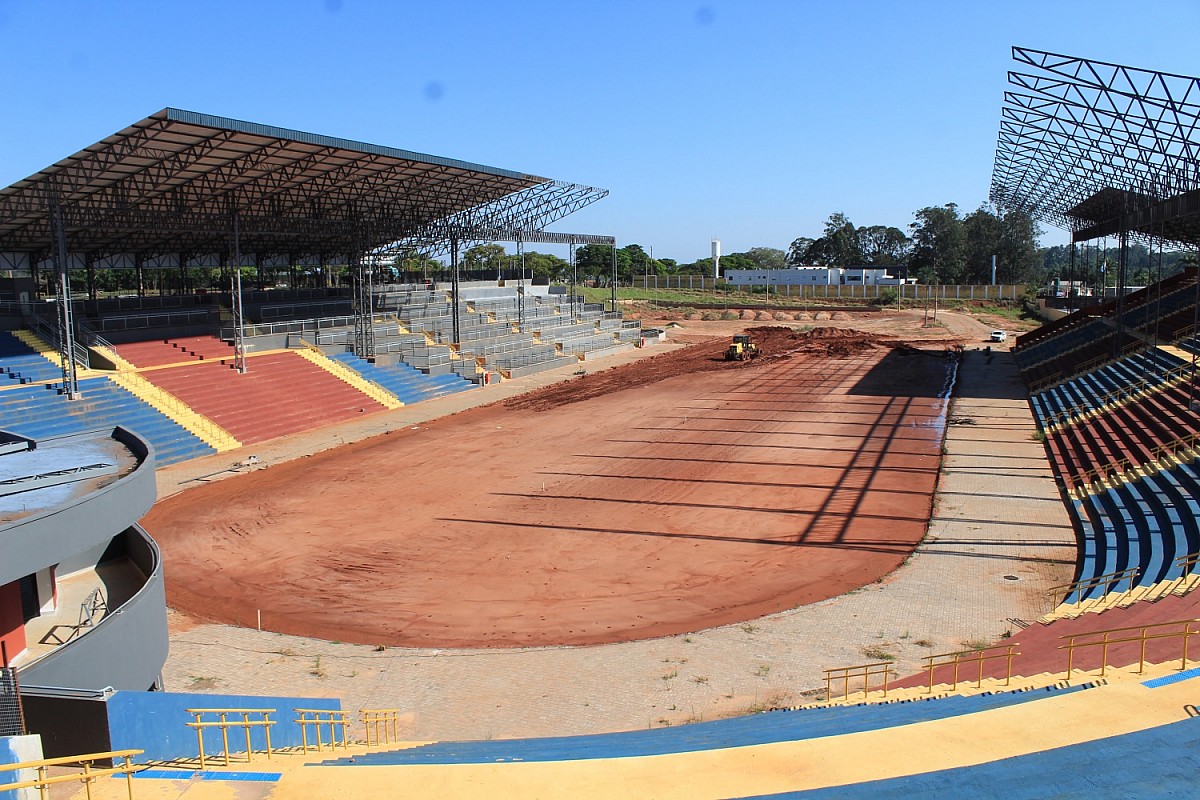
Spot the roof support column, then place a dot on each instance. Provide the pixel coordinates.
(137, 271)
(521, 284)
(364, 300)
(454, 314)
(239, 320)
(574, 281)
(66, 323)
(613, 281)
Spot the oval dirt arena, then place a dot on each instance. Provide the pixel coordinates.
(665, 496)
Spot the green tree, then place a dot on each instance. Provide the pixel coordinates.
(883, 246)
(483, 256)
(546, 266)
(839, 246)
(938, 245)
(797, 254)
(767, 257)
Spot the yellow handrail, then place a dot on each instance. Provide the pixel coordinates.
(960, 658)
(864, 671)
(1107, 580)
(1064, 418)
(224, 724)
(87, 777)
(383, 723)
(321, 716)
(1191, 627)
(1119, 467)
(1083, 369)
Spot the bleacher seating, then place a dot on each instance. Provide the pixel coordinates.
(173, 351)
(21, 365)
(409, 384)
(280, 394)
(40, 411)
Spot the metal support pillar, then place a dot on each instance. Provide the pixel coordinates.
(66, 322)
(89, 262)
(1071, 280)
(454, 313)
(1122, 279)
(364, 312)
(138, 275)
(235, 304)
(574, 282)
(613, 281)
(521, 284)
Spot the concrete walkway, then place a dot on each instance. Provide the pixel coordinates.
(998, 514)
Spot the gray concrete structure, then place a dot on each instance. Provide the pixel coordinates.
(81, 584)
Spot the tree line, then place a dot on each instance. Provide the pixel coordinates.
(940, 245)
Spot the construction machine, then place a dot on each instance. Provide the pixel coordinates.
(741, 349)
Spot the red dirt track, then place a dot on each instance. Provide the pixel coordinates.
(676, 493)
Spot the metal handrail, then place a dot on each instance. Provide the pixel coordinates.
(1118, 468)
(1107, 580)
(199, 724)
(864, 671)
(384, 723)
(1086, 367)
(43, 781)
(316, 717)
(1191, 627)
(961, 658)
(1063, 418)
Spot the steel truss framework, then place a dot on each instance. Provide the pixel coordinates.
(1100, 149)
(181, 188)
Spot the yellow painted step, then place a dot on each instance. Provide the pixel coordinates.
(175, 409)
(347, 375)
(35, 342)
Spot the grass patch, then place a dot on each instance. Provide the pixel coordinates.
(878, 653)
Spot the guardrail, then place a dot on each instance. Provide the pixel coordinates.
(316, 717)
(1107, 580)
(87, 776)
(1129, 391)
(1086, 367)
(961, 658)
(1182, 629)
(864, 671)
(1117, 469)
(381, 724)
(264, 721)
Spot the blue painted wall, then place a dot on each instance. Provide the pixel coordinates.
(157, 722)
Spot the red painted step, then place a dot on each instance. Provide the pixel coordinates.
(280, 394)
(172, 351)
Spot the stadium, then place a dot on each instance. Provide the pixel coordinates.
(470, 534)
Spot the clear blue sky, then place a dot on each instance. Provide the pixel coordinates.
(750, 121)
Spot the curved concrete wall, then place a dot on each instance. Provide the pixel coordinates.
(89, 522)
(126, 649)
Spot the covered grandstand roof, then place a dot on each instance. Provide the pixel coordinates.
(1100, 148)
(176, 181)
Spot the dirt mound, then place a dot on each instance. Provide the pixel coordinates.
(774, 343)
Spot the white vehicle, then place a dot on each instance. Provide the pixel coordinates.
(999, 336)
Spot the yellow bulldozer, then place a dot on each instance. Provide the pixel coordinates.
(741, 349)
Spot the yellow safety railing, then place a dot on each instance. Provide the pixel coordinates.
(382, 725)
(878, 669)
(1085, 367)
(87, 776)
(1118, 468)
(966, 658)
(1107, 581)
(246, 722)
(316, 717)
(1126, 393)
(1141, 634)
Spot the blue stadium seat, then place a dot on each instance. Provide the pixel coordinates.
(41, 410)
(408, 384)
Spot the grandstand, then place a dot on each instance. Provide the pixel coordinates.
(1056, 709)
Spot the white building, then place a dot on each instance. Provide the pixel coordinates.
(811, 276)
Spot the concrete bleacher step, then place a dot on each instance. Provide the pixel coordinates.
(175, 409)
(1177, 587)
(352, 378)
